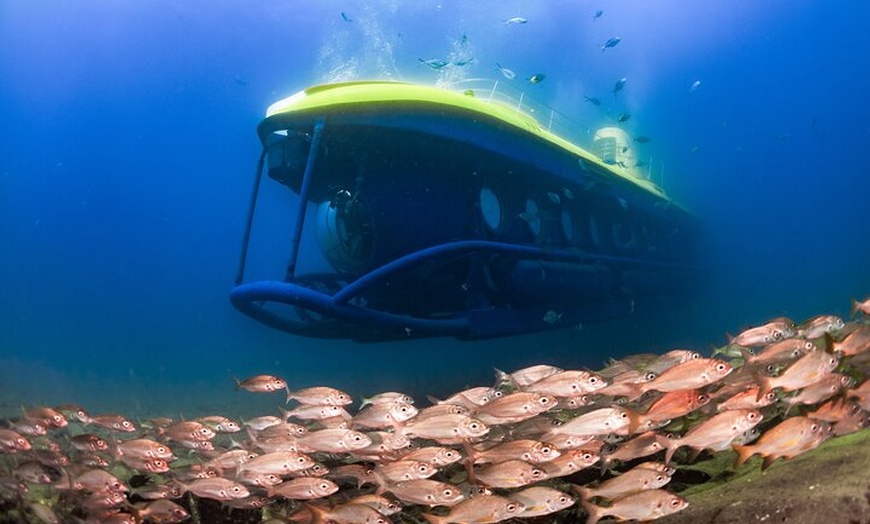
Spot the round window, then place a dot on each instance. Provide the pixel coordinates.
(491, 208)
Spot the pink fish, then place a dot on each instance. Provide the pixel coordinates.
(789, 438)
(691, 374)
(715, 432)
(646, 505)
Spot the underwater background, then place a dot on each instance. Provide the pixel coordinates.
(128, 147)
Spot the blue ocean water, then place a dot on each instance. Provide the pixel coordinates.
(128, 148)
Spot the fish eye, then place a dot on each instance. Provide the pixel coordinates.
(511, 507)
(623, 415)
(423, 468)
(675, 503)
(563, 500)
(721, 367)
(236, 489)
(126, 424)
(695, 355)
(447, 492)
(659, 478)
(650, 376)
(593, 380)
(544, 400)
(473, 425)
(324, 486)
(545, 450)
(587, 456)
(300, 460)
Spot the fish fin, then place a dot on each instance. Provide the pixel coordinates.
(501, 377)
(743, 454)
(768, 460)
(433, 400)
(285, 414)
(289, 393)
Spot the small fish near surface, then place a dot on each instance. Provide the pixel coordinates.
(515, 20)
(592, 100)
(619, 85)
(537, 78)
(695, 86)
(435, 63)
(611, 42)
(597, 14)
(623, 118)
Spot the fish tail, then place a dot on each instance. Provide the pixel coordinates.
(634, 420)
(764, 385)
(829, 343)
(318, 514)
(435, 519)
(672, 448)
(855, 307)
(289, 393)
(743, 454)
(595, 512)
(635, 391)
(285, 414)
(584, 492)
(238, 383)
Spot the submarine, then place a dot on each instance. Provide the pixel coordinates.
(405, 210)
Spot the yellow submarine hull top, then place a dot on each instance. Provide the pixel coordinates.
(457, 212)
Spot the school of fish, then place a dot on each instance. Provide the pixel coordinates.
(487, 454)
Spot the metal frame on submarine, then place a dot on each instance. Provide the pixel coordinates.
(455, 212)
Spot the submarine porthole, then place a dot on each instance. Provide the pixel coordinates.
(532, 215)
(344, 231)
(492, 209)
(568, 226)
(593, 231)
